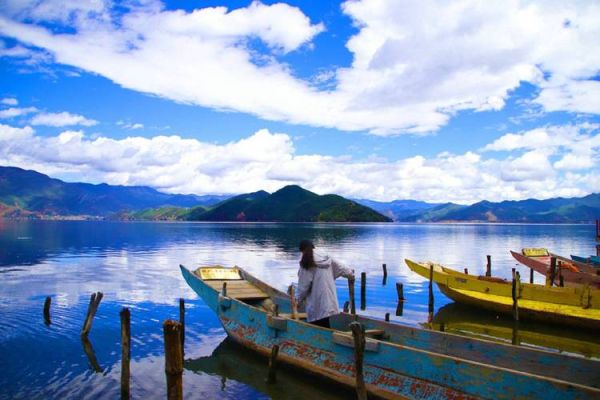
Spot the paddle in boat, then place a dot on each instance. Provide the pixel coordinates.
(398, 361)
(573, 272)
(563, 305)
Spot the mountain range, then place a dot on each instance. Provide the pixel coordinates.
(29, 194)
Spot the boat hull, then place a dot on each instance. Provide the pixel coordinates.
(568, 306)
(391, 370)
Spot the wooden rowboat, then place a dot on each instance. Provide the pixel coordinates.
(399, 361)
(563, 305)
(573, 272)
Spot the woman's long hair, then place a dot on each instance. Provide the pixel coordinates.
(308, 259)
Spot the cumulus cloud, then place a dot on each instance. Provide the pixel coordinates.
(414, 63)
(61, 119)
(13, 112)
(9, 101)
(266, 160)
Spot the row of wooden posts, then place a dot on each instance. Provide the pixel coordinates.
(174, 337)
(174, 331)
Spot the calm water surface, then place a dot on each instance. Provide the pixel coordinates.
(135, 265)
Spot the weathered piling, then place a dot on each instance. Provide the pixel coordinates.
(515, 293)
(598, 249)
(466, 271)
(399, 309)
(363, 290)
(552, 270)
(597, 232)
(431, 293)
(346, 306)
(272, 375)
(488, 267)
(47, 310)
(400, 291)
(293, 302)
(95, 300)
(384, 266)
(182, 322)
(125, 352)
(173, 359)
(387, 317)
(358, 333)
(351, 293)
(224, 289)
(530, 275)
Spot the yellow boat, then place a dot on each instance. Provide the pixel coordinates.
(564, 305)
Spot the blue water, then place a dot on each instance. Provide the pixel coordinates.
(135, 265)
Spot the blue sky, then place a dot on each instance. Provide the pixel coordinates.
(379, 99)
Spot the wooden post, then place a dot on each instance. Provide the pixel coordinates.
(363, 290)
(224, 289)
(47, 310)
(431, 293)
(488, 269)
(173, 359)
(552, 270)
(387, 317)
(598, 250)
(400, 291)
(272, 376)
(293, 302)
(561, 280)
(358, 332)
(182, 322)
(95, 300)
(351, 290)
(125, 352)
(598, 230)
(466, 271)
(384, 273)
(399, 309)
(530, 275)
(515, 294)
(346, 306)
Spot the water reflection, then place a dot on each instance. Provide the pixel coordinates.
(136, 265)
(232, 362)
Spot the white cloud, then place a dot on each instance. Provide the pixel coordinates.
(16, 112)
(9, 101)
(415, 63)
(129, 125)
(61, 119)
(268, 161)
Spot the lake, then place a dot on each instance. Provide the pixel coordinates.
(135, 265)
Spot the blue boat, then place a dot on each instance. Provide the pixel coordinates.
(593, 260)
(399, 361)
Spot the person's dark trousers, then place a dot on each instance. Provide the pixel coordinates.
(324, 322)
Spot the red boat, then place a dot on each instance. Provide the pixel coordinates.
(574, 273)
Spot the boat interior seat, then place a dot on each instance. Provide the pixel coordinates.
(238, 289)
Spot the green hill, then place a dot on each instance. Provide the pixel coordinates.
(289, 204)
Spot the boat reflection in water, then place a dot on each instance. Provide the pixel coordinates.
(231, 361)
(468, 321)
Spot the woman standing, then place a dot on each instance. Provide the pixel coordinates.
(316, 284)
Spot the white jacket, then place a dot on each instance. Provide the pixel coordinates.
(316, 285)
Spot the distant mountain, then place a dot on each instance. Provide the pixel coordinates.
(557, 210)
(398, 210)
(28, 194)
(290, 204)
